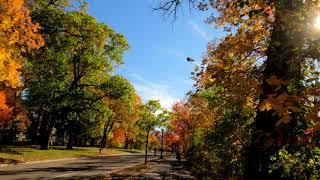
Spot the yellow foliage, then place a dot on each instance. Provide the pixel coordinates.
(285, 119)
(265, 105)
(9, 69)
(17, 34)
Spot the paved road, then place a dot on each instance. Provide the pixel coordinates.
(167, 168)
(82, 168)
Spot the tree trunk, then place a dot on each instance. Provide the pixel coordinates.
(103, 140)
(107, 128)
(146, 149)
(70, 139)
(45, 140)
(282, 62)
(126, 141)
(64, 138)
(71, 134)
(84, 141)
(131, 143)
(12, 133)
(33, 130)
(92, 142)
(45, 132)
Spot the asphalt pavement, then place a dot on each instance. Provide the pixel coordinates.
(81, 168)
(167, 168)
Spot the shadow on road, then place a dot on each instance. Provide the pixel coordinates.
(88, 167)
(49, 169)
(159, 169)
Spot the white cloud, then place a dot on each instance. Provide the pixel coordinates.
(200, 31)
(156, 91)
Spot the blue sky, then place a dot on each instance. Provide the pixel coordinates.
(156, 62)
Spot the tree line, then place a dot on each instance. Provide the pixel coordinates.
(254, 111)
(57, 85)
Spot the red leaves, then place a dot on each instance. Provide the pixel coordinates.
(311, 136)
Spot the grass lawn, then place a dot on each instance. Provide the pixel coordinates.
(11, 154)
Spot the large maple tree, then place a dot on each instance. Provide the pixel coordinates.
(18, 34)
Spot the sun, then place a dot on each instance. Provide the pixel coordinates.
(317, 22)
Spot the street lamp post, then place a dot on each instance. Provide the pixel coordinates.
(161, 149)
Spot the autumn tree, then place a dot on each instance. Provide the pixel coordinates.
(262, 60)
(148, 120)
(280, 90)
(129, 123)
(189, 116)
(19, 34)
(182, 124)
(120, 94)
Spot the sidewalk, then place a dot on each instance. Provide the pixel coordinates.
(159, 169)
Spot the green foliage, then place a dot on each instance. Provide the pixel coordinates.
(119, 88)
(69, 79)
(301, 163)
(219, 151)
(148, 118)
(164, 118)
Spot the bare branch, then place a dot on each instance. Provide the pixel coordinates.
(169, 8)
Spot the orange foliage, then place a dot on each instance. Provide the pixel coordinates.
(188, 117)
(17, 34)
(12, 113)
(172, 141)
(5, 110)
(118, 135)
